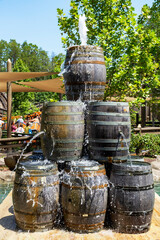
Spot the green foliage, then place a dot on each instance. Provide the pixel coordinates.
(22, 102)
(57, 61)
(147, 142)
(28, 57)
(35, 58)
(132, 69)
(46, 96)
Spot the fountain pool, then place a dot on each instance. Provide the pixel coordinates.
(157, 187)
(5, 188)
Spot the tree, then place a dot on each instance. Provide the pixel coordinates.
(128, 48)
(23, 103)
(36, 59)
(57, 61)
(3, 55)
(110, 25)
(14, 51)
(28, 57)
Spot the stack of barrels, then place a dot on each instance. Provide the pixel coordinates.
(98, 187)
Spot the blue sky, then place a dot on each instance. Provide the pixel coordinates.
(35, 21)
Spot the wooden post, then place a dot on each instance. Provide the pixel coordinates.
(143, 116)
(137, 119)
(9, 100)
(60, 96)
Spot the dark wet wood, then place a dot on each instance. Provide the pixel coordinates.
(84, 199)
(105, 123)
(63, 123)
(85, 73)
(131, 197)
(36, 196)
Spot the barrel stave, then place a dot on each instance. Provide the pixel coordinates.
(35, 197)
(85, 73)
(131, 197)
(105, 123)
(63, 123)
(84, 198)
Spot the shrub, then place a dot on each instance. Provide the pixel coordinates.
(147, 142)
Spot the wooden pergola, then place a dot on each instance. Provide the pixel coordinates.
(8, 84)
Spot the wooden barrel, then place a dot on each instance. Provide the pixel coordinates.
(108, 126)
(131, 197)
(85, 73)
(84, 196)
(36, 195)
(63, 123)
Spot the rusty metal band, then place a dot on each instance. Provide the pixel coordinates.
(87, 175)
(37, 173)
(86, 83)
(84, 226)
(84, 187)
(108, 149)
(67, 149)
(88, 172)
(100, 140)
(131, 213)
(109, 123)
(40, 226)
(38, 185)
(80, 140)
(109, 114)
(86, 54)
(88, 48)
(62, 113)
(86, 62)
(64, 122)
(82, 215)
(135, 188)
(41, 213)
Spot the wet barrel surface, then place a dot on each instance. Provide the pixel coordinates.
(63, 123)
(84, 196)
(131, 197)
(85, 73)
(109, 127)
(36, 195)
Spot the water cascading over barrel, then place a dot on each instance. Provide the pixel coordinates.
(108, 126)
(84, 196)
(36, 195)
(85, 73)
(63, 123)
(131, 197)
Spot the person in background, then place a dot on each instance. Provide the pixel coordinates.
(20, 120)
(1, 123)
(27, 128)
(36, 119)
(20, 129)
(13, 126)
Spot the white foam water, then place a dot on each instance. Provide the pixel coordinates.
(83, 29)
(21, 155)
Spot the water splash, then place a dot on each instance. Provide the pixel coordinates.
(121, 135)
(30, 141)
(83, 29)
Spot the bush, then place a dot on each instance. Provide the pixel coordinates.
(147, 142)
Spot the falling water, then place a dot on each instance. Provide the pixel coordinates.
(83, 29)
(123, 136)
(30, 141)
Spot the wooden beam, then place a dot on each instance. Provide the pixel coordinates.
(9, 100)
(12, 145)
(13, 139)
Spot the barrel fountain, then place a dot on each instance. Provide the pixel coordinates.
(84, 184)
